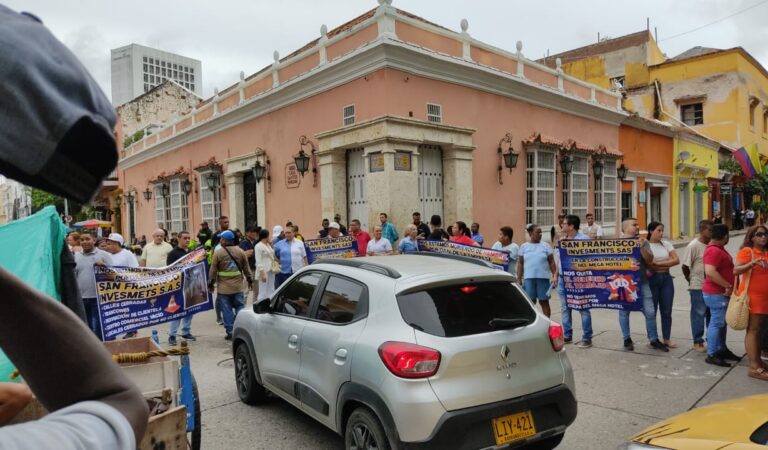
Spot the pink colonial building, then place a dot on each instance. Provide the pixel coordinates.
(394, 114)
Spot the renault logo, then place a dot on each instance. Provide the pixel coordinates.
(504, 352)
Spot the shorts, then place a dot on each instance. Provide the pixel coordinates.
(537, 289)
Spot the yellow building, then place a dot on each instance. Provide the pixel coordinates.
(719, 95)
(696, 164)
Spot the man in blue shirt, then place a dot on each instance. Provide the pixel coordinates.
(476, 236)
(292, 256)
(571, 229)
(388, 230)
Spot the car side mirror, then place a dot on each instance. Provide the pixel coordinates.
(263, 307)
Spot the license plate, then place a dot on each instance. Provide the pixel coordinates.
(513, 428)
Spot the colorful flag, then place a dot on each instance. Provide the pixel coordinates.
(749, 160)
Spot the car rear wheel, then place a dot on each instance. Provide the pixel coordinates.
(365, 432)
(249, 389)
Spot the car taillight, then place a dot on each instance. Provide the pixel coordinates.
(409, 360)
(556, 336)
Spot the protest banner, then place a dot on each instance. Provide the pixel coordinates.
(497, 258)
(134, 298)
(341, 247)
(601, 273)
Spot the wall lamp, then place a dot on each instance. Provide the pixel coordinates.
(302, 159)
(507, 158)
(148, 194)
(262, 171)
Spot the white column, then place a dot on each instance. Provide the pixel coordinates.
(520, 59)
(466, 40)
(275, 67)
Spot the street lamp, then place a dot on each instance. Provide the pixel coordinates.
(621, 172)
(258, 171)
(508, 158)
(597, 168)
(147, 194)
(212, 180)
(165, 190)
(129, 197)
(302, 159)
(566, 164)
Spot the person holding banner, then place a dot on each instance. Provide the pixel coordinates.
(86, 280)
(461, 234)
(181, 249)
(506, 245)
(631, 229)
(537, 270)
(571, 231)
(228, 269)
(265, 262)
(360, 235)
(664, 257)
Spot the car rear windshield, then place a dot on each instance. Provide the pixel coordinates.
(464, 309)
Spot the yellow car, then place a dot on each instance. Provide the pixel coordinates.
(738, 424)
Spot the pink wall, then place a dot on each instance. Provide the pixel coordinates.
(384, 92)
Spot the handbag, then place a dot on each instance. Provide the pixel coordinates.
(275, 265)
(737, 314)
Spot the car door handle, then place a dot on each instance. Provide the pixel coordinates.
(341, 357)
(293, 342)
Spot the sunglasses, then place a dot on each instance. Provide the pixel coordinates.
(761, 234)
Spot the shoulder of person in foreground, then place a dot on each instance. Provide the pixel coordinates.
(82, 426)
(61, 380)
(744, 255)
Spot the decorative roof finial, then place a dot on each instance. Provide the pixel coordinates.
(242, 76)
(464, 25)
(324, 30)
(385, 2)
(276, 56)
(558, 63)
(215, 92)
(519, 46)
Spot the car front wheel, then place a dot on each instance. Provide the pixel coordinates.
(365, 432)
(249, 389)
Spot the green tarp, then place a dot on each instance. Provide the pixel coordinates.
(30, 248)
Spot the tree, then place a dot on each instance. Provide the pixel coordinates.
(41, 199)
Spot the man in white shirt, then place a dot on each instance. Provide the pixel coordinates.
(120, 256)
(155, 253)
(593, 230)
(86, 280)
(693, 270)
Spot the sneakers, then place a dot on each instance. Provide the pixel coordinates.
(586, 343)
(172, 340)
(717, 361)
(228, 337)
(764, 356)
(700, 347)
(188, 337)
(219, 321)
(568, 340)
(726, 354)
(629, 345)
(657, 345)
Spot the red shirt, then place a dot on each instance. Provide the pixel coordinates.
(716, 255)
(464, 240)
(362, 242)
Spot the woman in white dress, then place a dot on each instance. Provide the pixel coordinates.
(265, 256)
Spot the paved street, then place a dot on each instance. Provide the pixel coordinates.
(619, 393)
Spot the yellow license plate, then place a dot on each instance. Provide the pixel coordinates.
(513, 428)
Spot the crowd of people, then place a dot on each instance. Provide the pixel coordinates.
(260, 260)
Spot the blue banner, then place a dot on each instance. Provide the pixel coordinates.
(602, 273)
(134, 298)
(341, 247)
(497, 258)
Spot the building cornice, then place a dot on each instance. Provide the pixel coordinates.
(380, 54)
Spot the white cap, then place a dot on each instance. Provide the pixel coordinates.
(116, 237)
(276, 231)
(334, 225)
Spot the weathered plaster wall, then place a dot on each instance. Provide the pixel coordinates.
(159, 107)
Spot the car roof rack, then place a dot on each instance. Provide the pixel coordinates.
(467, 259)
(358, 264)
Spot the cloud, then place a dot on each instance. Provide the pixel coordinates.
(87, 43)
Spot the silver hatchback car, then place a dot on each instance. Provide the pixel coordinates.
(415, 351)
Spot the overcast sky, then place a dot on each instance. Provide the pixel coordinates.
(233, 35)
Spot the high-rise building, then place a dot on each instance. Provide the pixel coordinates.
(137, 69)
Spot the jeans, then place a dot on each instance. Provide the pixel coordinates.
(186, 326)
(717, 304)
(280, 278)
(231, 304)
(217, 305)
(92, 316)
(663, 291)
(649, 311)
(586, 315)
(698, 316)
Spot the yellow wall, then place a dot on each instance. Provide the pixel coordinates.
(701, 156)
(591, 70)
